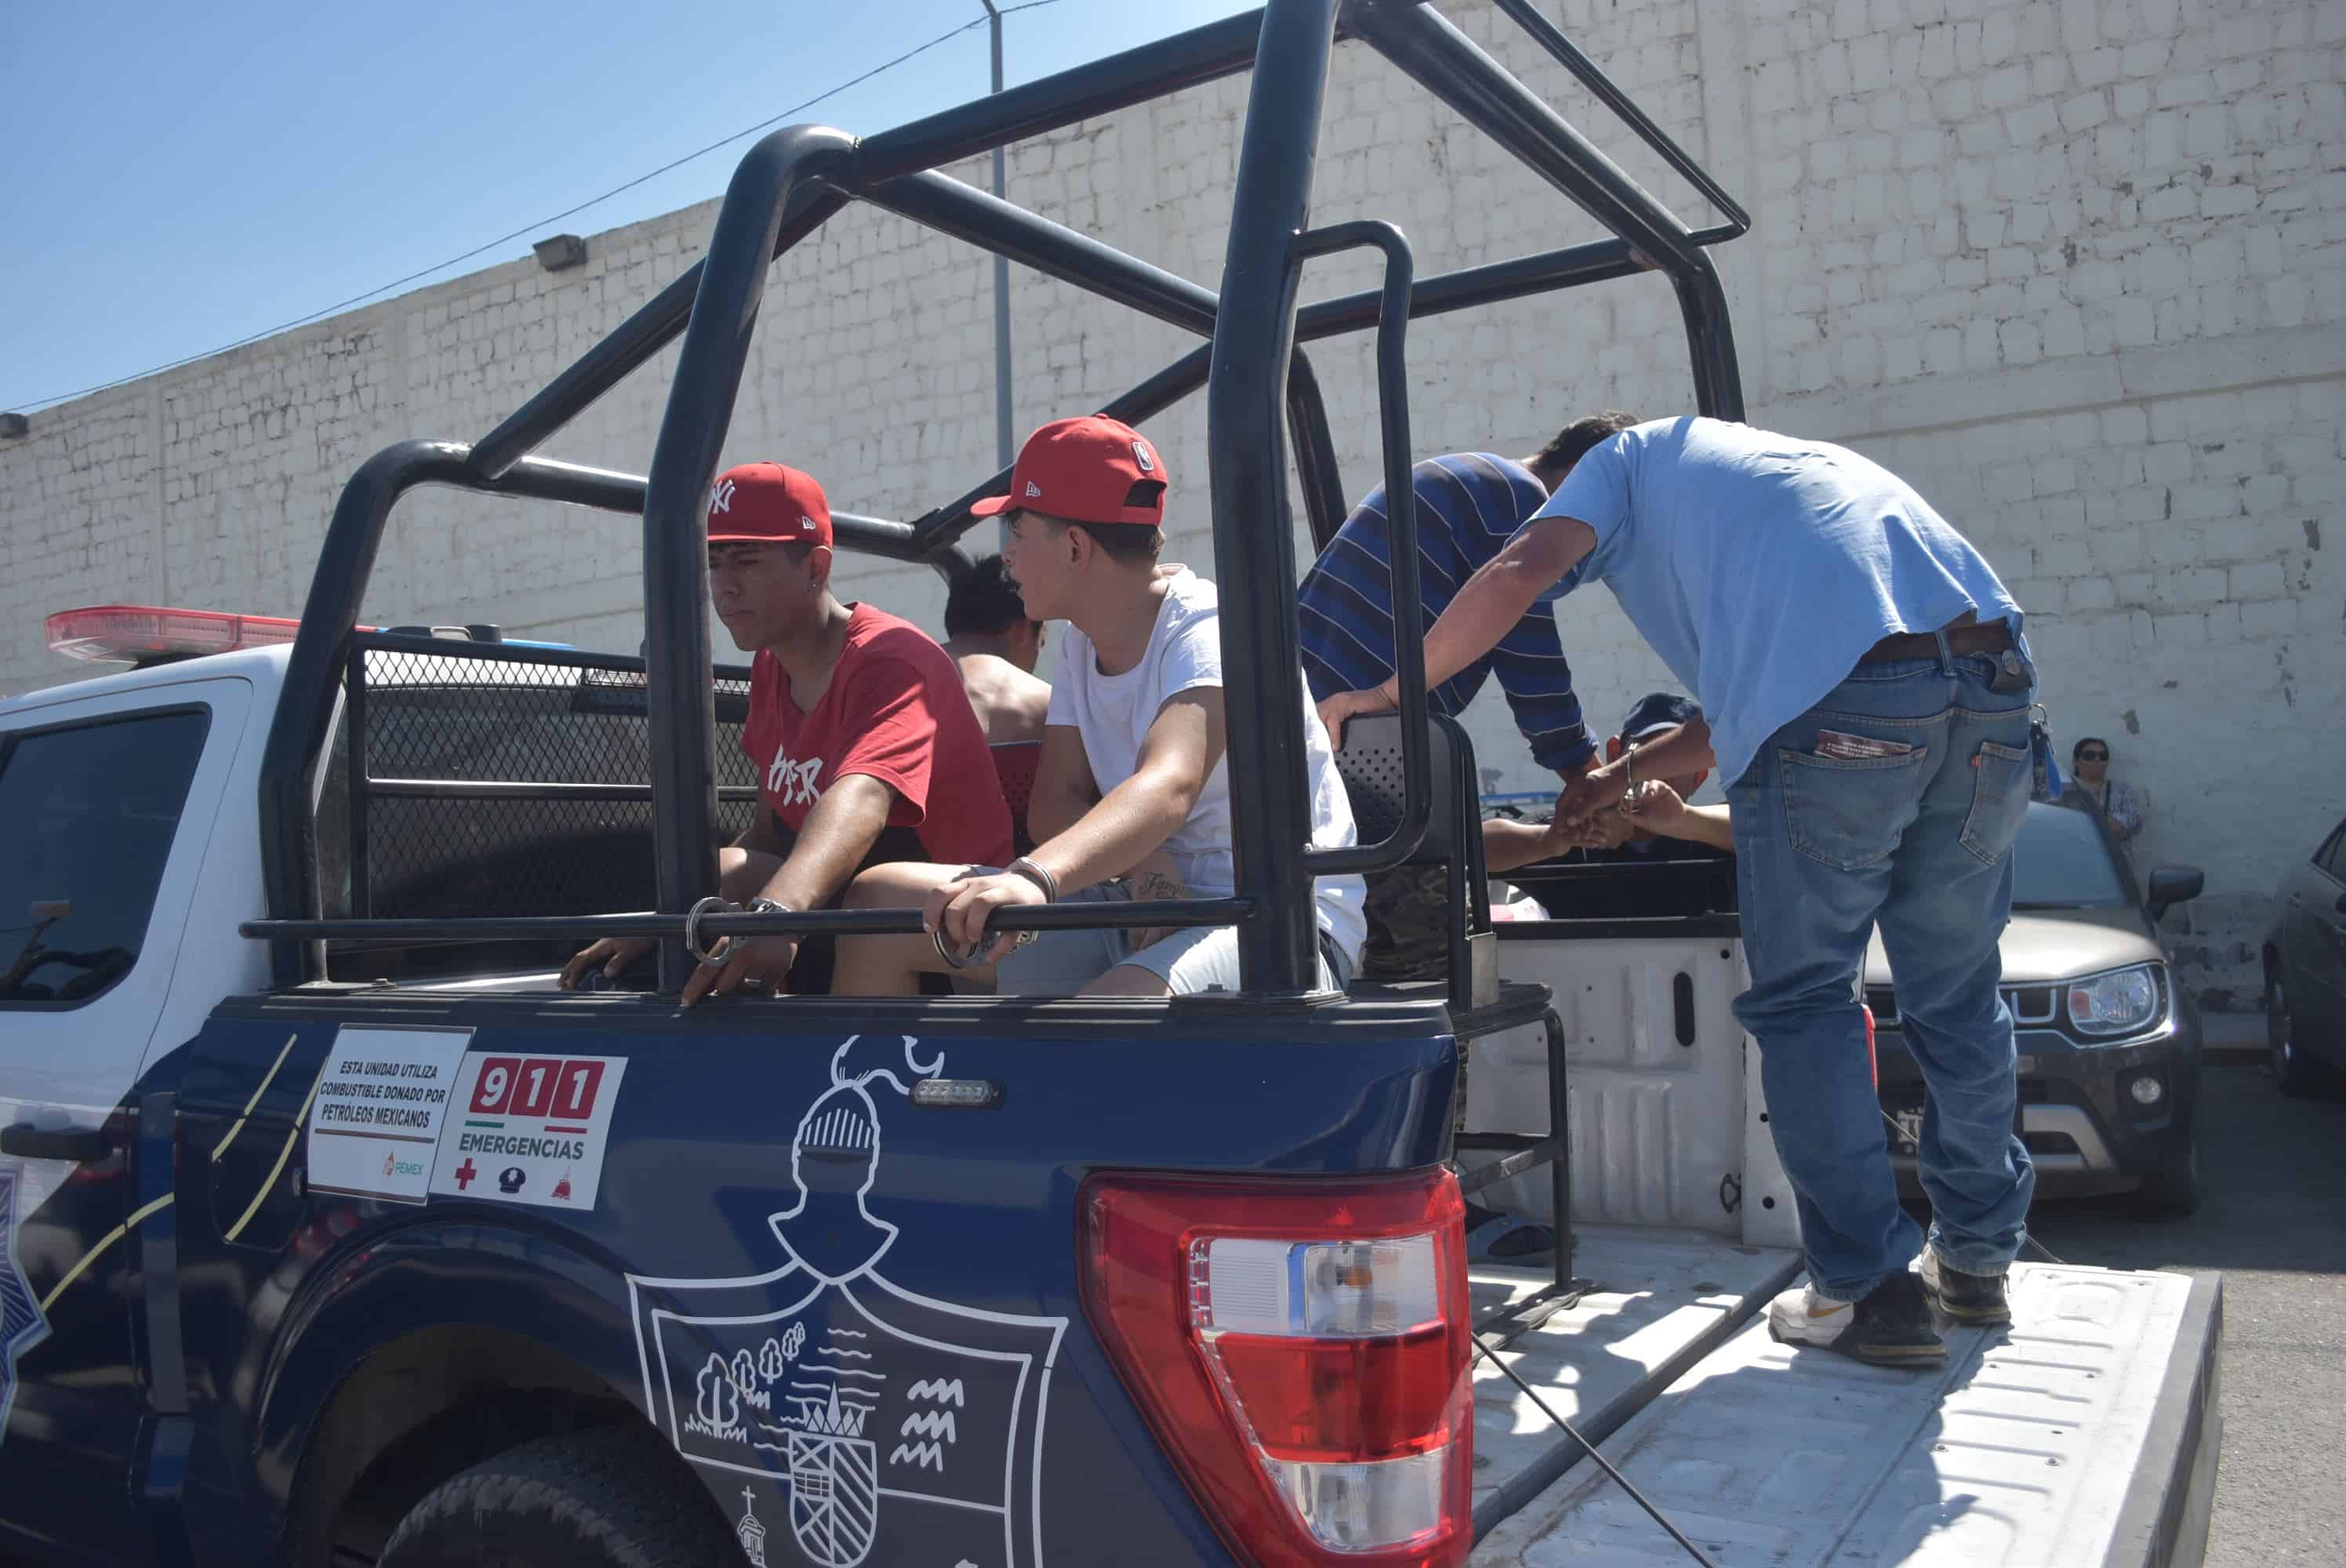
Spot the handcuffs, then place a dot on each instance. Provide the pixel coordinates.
(1629, 777)
(1040, 876)
(714, 904)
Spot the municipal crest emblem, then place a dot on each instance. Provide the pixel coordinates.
(879, 1420)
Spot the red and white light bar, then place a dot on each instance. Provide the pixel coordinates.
(114, 633)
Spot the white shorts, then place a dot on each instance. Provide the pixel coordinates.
(1191, 960)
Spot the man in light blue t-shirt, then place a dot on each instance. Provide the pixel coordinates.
(1867, 691)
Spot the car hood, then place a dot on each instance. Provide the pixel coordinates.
(2055, 944)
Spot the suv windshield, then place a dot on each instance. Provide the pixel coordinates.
(2062, 862)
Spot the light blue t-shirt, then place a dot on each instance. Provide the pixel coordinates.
(1762, 566)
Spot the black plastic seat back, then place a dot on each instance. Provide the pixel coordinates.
(1370, 761)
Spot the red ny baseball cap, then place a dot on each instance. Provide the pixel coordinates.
(1089, 470)
(765, 502)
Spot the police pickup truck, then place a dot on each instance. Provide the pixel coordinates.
(331, 1233)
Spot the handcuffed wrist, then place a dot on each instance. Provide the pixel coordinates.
(1040, 875)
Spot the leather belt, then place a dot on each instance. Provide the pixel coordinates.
(1994, 637)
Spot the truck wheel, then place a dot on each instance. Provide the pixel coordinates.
(2170, 1189)
(581, 1500)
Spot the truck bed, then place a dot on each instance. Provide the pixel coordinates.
(2087, 1432)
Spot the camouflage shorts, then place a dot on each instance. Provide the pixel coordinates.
(1407, 911)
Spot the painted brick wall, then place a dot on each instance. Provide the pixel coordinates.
(2077, 270)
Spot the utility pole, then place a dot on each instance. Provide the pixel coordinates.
(1003, 449)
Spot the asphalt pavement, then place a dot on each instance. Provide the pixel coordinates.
(2272, 1220)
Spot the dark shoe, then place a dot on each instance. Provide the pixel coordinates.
(1976, 1299)
(1890, 1327)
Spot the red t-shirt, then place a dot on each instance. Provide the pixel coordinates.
(896, 709)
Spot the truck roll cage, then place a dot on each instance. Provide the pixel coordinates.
(1253, 368)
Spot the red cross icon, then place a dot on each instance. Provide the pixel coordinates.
(465, 1173)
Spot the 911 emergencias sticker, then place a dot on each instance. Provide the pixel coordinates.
(529, 1129)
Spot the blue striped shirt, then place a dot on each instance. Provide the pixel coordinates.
(1469, 505)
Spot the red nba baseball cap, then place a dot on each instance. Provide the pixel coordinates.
(765, 504)
(1089, 470)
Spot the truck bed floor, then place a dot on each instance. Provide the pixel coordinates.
(1658, 1300)
(2085, 1434)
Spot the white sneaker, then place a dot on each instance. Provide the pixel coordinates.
(1805, 1315)
(1891, 1328)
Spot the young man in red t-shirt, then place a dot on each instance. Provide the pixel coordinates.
(866, 749)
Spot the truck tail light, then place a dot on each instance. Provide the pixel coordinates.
(1301, 1348)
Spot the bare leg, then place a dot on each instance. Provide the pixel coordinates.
(892, 965)
(1128, 980)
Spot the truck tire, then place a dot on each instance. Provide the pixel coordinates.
(581, 1499)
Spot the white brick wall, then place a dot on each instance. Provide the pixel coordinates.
(2077, 270)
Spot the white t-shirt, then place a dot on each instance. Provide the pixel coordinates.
(1113, 714)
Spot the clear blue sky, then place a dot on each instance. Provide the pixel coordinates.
(176, 178)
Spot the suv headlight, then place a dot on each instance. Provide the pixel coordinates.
(2123, 1001)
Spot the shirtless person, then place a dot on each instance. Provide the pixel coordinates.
(997, 647)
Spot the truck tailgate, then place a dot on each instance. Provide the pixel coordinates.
(2085, 1434)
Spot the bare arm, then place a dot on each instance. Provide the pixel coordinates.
(743, 869)
(1676, 753)
(1709, 825)
(1493, 599)
(1503, 591)
(1129, 824)
(1507, 845)
(839, 833)
(1063, 787)
(1658, 808)
(1681, 751)
(1183, 745)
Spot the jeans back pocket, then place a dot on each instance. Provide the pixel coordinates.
(1999, 791)
(1851, 813)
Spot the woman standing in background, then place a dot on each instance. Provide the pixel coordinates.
(2091, 788)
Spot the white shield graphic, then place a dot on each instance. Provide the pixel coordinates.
(895, 1422)
(834, 1497)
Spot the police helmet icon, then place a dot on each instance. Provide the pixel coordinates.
(509, 1180)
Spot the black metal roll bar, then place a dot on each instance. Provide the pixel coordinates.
(793, 180)
(1254, 534)
(1567, 54)
(1423, 44)
(1400, 522)
(1183, 912)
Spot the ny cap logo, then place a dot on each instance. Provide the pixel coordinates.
(720, 497)
(1140, 454)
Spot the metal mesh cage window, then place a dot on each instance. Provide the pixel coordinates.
(433, 724)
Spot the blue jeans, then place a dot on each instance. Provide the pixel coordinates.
(1921, 844)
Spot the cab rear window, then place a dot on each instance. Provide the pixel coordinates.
(92, 810)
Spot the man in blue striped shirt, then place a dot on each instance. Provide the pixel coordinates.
(1469, 505)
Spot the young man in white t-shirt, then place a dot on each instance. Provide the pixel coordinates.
(1132, 795)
